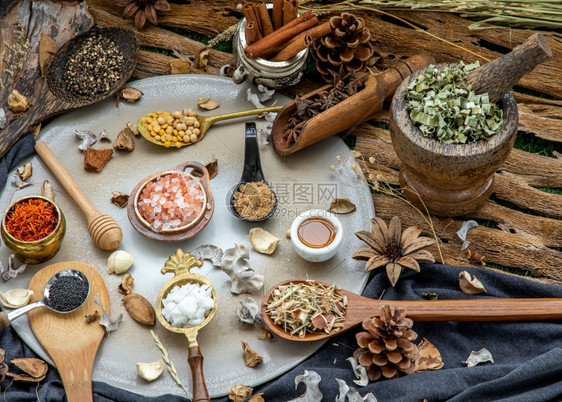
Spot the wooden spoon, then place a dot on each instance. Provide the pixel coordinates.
(54, 98)
(360, 308)
(105, 231)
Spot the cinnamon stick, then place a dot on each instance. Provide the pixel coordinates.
(263, 15)
(267, 46)
(294, 48)
(252, 33)
(251, 14)
(277, 14)
(290, 10)
(314, 32)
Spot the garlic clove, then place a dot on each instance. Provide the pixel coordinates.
(119, 262)
(150, 371)
(263, 241)
(16, 298)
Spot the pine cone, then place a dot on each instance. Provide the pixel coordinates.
(386, 349)
(347, 46)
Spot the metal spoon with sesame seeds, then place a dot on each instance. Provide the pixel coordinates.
(359, 308)
(205, 122)
(55, 97)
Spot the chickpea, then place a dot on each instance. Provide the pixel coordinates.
(196, 131)
(178, 144)
(159, 111)
(174, 138)
(164, 126)
(192, 113)
(196, 124)
(193, 138)
(161, 120)
(169, 130)
(176, 114)
(156, 127)
(168, 137)
(149, 120)
(186, 138)
(170, 120)
(161, 131)
(167, 144)
(181, 133)
(157, 138)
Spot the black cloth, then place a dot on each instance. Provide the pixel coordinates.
(21, 150)
(527, 355)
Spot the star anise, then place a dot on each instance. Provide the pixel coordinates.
(391, 247)
(143, 10)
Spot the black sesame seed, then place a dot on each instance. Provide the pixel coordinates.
(67, 293)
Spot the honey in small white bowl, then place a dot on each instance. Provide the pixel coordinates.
(316, 235)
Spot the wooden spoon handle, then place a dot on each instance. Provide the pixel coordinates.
(105, 231)
(498, 76)
(478, 309)
(195, 360)
(76, 374)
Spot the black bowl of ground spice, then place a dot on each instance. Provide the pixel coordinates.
(93, 65)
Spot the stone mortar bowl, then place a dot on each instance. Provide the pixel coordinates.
(450, 179)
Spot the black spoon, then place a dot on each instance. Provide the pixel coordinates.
(252, 171)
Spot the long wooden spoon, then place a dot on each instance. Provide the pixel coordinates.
(359, 308)
(105, 231)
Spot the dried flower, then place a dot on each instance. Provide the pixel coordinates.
(251, 358)
(390, 247)
(143, 10)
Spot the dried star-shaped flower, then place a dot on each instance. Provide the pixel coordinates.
(143, 10)
(390, 247)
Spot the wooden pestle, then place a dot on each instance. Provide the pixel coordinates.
(105, 231)
(500, 75)
(352, 111)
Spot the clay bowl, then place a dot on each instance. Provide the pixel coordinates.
(35, 252)
(451, 179)
(140, 222)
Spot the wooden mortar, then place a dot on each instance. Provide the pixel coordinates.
(456, 179)
(352, 111)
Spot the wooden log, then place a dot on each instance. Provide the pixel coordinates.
(151, 64)
(542, 127)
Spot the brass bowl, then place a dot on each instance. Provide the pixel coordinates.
(35, 252)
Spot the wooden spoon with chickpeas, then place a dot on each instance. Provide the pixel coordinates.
(180, 128)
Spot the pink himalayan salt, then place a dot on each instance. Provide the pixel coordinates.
(171, 201)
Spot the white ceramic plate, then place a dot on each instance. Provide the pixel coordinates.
(302, 181)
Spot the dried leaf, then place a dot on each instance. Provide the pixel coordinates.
(207, 104)
(124, 140)
(341, 206)
(481, 356)
(139, 309)
(35, 367)
(249, 311)
(239, 392)
(312, 380)
(25, 171)
(263, 241)
(470, 285)
(463, 232)
(106, 321)
(212, 167)
(126, 285)
(88, 139)
(3, 365)
(90, 318)
(251, 358)
(47, 49)
(203, 59)
(257, 398)
(429, 357)
(210, 253)
(47, 191)
(120, 199)
(359, 371)
(178, 66)
(430, 296)
(24, 377)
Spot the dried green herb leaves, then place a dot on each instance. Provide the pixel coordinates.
(444, 107)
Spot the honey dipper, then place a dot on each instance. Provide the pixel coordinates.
(105, 231)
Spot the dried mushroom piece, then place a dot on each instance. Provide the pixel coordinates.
(124, 140)
(311, 380)
(126, 285)
(120, 199)
(251, 358)
(91, 318)
(17, 102)
(150, 371)
(266, 334)
(481, 356)
(470, 285)
(429, 357)
(96, 159)
(134, 128)
(350, 394)
(462, 233)
(210, 253)
(16, 298)
(240, 392)
(106, 321)
(104, 137)
(88, 139)
(341, 206)
(359, 371)
(128, 94)
(11, 271)
(243, 278)
(249, 312)
(263, 241)
(207, 104)
(139, 309)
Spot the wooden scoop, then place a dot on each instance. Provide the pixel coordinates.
(54, 98)
(105, 231)
(360, 308)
